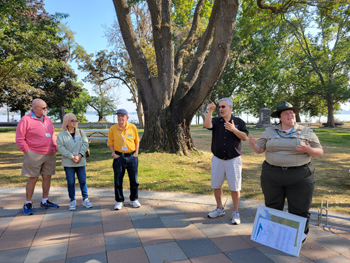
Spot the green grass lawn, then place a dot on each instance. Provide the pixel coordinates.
(170, 172)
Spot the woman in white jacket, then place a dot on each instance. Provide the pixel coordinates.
(72, 143)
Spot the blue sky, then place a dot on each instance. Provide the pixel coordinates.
(86, 19)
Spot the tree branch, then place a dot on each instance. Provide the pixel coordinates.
(136, 54)
(318, 93)
(187, 43)
(200, 55)
(219, 35)
(115, 77)
(285, 6)
(163, 46)
(262, 6)
(302, 40)
(5, 75)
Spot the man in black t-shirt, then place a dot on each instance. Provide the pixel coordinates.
(227, 135)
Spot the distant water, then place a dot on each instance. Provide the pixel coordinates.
(133, 118)
(110, 118)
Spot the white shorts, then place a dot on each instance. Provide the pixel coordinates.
(230, 169)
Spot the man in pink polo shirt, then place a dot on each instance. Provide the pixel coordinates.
(35, 136)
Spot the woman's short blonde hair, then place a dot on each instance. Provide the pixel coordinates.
(66, 119)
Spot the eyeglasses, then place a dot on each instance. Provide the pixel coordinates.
(223, 106)
(74, 120)
(44, 108)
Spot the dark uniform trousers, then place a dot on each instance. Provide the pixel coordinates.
(129, 163)
(295, 183)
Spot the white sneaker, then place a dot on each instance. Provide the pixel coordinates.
(118, 205)
(87, 203)
(236, 220)
(72, 205)
(135, 203)
(216, 213)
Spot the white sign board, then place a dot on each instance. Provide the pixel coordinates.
(279, 230)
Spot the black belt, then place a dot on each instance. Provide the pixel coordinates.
(225, 158)
(288, 168)
(124, 154)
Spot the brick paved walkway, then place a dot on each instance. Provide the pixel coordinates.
(168, 227)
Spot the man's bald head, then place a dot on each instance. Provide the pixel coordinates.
(36, 102)
(39, 107)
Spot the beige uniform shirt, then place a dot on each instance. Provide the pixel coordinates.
(282, 151)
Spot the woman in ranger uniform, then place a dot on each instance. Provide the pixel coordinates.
(287, 170)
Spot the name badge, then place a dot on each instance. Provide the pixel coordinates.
(47, 134)
(124, 148)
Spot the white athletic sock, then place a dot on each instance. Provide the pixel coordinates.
(43, 201)
(29, 202)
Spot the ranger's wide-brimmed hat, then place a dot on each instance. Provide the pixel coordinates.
(282, 106)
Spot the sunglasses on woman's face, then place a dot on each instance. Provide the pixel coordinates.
(74, 120)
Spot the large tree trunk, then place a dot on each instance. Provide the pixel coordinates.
(140, 114)
(330, 106)
(100, 116)
(203, 110)
(169, 101)
(171, 136)
(62, 113)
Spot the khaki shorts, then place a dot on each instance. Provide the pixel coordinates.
(35, 164)
(229, 169)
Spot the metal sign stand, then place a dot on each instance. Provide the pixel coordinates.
(321, 214)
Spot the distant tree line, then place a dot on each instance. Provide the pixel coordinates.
(35, 54)
(33, 61)
(301, 56)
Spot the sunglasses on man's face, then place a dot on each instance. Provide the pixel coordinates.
(74, 120)
(223, 106)
(44, 108)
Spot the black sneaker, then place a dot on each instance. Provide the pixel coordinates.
(49, 205)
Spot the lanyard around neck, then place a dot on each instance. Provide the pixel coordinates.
(43, 124)
(287, 137)
(121, 132)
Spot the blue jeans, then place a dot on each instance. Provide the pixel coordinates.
(131, 164)
(70, 175)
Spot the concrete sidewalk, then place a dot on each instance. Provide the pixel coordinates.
(167, 227)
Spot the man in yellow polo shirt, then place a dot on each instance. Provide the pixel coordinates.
(123, 141)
